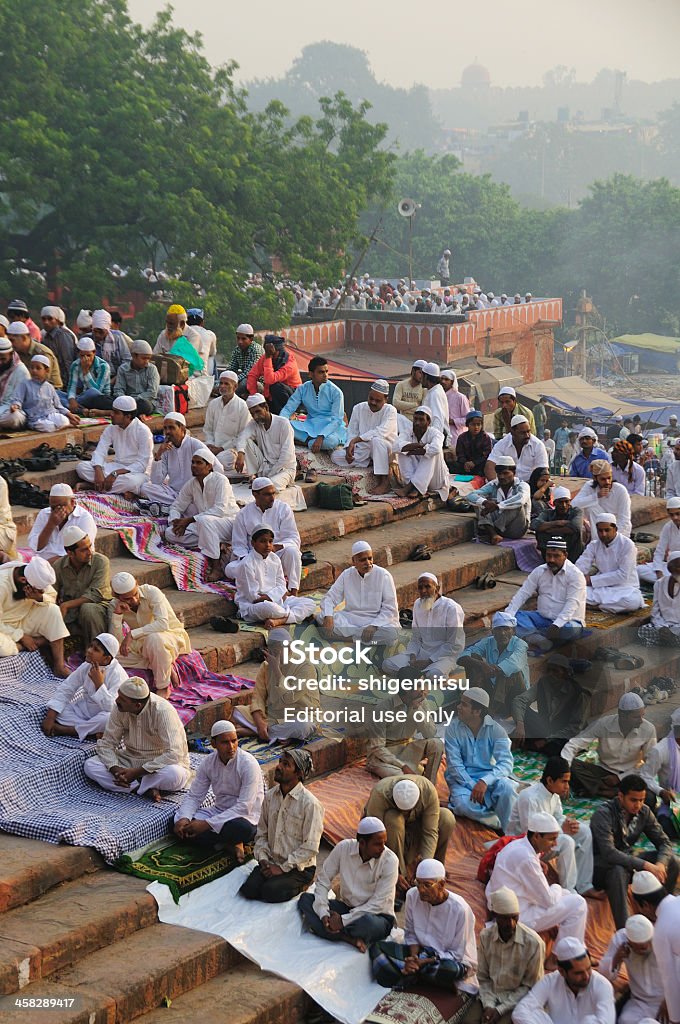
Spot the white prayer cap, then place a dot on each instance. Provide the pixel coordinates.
(229, 375)
(134, 687)
(569, 948)
(645, 882)
(587, 432)
(425, 409)
(673, 557)
(478, 695)
(141, 348)
(639, 928)
(245, 329)
(605, 517)
(109, 643)
(221, 727)
(516, 420)
(507, 391)
(648, 1020)
(260, 482)
(125, 403)
(541, 821)
(503, 619)
(449, 374)
(280, 635)
(505, 460)
(61, 491)
(84, 318)
(675, 719)
(381, 386)
(630, 702)
(18, 327)
(123, 583)
(369, 826)
(503, 901)
(175, 417)
(253, 400)
(561, 492)
(359, 546)
(4, 321)
(428, 576)
(429, 868)
(420, 363)
(85, 345)
(72, 534)
(39, 573)
(405, 794)
(5, 345)
(431, 369)
(101, 319)
(39, 358)
(205, 454)
(673, 503)
(52, 311)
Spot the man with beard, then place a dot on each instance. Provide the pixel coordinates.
(226, 417)
(632, 946)
(369, 596)
(420, 468)
(47, 533)
(171, 466)
(267, 445)
(573, 994)
(12, 372)
(268, 510)
(29, 616)
(372, 431)
(524, 448)
(132, 444)
(615, 586)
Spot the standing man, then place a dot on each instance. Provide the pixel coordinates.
(540, 416)
(226, 418)
(459, 405)
(244, 357)
(590, 452)
(435, 399)
(444, 268)
(408, 393)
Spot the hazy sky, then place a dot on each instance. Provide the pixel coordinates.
(517, 40)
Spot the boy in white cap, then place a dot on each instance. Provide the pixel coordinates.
(139, 377)
(408, 393)
(144, 747)
(245, 355)
(560, 589)
(29, 617)
(573, 994)
(203, 512)
(171, 466)
(12, 372)
(26, 347)
(479, 763)
(661, 772)
(520, 865)
(83, 585)
(370, 608)
(366, 872)
(632, 946)
(89, 379)
(420, 459)
(132, 444)
(508, 406)
(503, 505)
(615, 586)
(155, 637)
(97, 680)
(499, 664)
(562, 520)
(37, 403)
(669, 540)
(652, 899)
(268, 510)
(372, 431)
(235, 779)
(226, 418)
(525, 449)
(267, 445)
(46, 536)
(261, 590)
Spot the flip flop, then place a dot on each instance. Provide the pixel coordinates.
(606, 654)
(628, 661)
(308, 558)
(420, 553)
(221, 624)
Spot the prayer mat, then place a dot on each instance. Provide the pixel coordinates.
(527, 555)
(267, 753)
(418, 1006)
(180, 866)
(597, 618)
(360, 479)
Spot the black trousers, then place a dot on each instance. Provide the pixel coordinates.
(278, 889)
(615, 879)
(238, 830)
(278, 396)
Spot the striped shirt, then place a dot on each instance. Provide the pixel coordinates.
(289, 830)
(242, 362)
(155, 738)
(98, 376)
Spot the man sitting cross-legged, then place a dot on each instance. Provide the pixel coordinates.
(83, 585)
(144, 746)
(370, 601)
(261, 591)
(420, 459)
(226, 417)
(498, 664)
(237, 785)
(99, 678)
(366, 872)
(267, 446)
(615, 586)
(46, 536)
(132, 444)
(503, 505)
(324, 428)
(664, 628)
(156, 637)
(372, 431)
(29, 617)
(171, 466)
(268, 510)
(288, 834)
(561, 600)
(563, 520)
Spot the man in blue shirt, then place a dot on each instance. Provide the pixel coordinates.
(560, 438)
(324, 428)
(590, 450)
(498, 664)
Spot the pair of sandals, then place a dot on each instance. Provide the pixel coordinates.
(487, 581)
(619, 659)
(30, 495)
(420, 553)
(12, 468)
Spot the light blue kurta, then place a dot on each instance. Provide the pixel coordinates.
(325, 414)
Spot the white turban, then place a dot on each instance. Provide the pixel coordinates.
(109, 643)
(478, 695)
(631, 702)
(39, 573)
(569, 948)
(359, 546)
(84, 318)
(101, 319)
(175, 417)
(381, 386)
(369, 826)
(221, 727)
(61, 491)
(503, 901)
(430, 869)
(507, 391)
(52, 311)
(206, 455)
(604, 517)
(561, 492)
(229, 375)
(134, 687)
(72, 534)
(516, 420)
(405, 794)
(253, 400)
(587, 432)
(125, 403)
(85, 345)
(123, 583)
(260, 482)
(639, 928)
(40, 358)
(541, 821)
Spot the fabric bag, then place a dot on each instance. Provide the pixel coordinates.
(335, 496)
(171, 369)
(185, 350)
(181, 398)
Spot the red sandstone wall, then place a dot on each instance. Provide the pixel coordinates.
(316, 338)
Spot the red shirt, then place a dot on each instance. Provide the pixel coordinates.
(288, 374)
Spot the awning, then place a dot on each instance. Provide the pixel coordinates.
(650, 342)
(576, 395)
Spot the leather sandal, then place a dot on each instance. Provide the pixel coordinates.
(420, 553)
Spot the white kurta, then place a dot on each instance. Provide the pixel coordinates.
(437, 637)
(634, 486)
(656, 768)
(436, 401)
(33, 618)
(561, 596)
(533, 455)
(224, 424)
(133, 451)
(448, 928)
(615, 587)
(617, 502)
(281, 520)
(669, 540)
(427, 472)
(170, 473)
(256, 575)
(666, 609)
(551, 1001)
(270, 453)
(8, 528)
(666, 944)
(79, 517)
(215, 510)
(644, 979)
(238, 788)
(88, 713)
(370, 600)
(378, 432)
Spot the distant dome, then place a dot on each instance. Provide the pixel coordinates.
(475, 76)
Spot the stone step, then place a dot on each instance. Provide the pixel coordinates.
(75, 919)
(26, 872)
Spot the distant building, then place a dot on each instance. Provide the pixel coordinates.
(475, 76)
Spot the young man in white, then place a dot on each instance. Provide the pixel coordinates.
(615, 586)
(171, 466)
(632, 946)
(99, 677)
(268, 510)
(372, 431)
(132, 444)
(573, 994)
(420, 458)
(261, 591)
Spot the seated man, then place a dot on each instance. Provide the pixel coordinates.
(561, 600)
(625, 470)
(226, 417)
(144, 747)
(89, 380)
(473, 446)
(156, 637)
(623, 741)
(574, 849)
(324, 428)
(434, 399)
(83, 585)
(366, 872)
(8, 528)
(29, 617)
(653, 901)
(277, 709)
(617, 826)
(261, 591)
(562, 520)
(590, 451)
(408, 393)
(420, 459)
(603, 495)
(139, 378)
(12, 372)
(110, 343)
(47, 533)
(510, 961)
(669, 540)
(573, 994)
(508, 407)
(132, 444)
(632, 946)
(370, 601)
(237, 785)
(503, 505)
(417, 827)
(392, 747)
(521, 864)
(278, 371)
(57, 338)
(288, 834)
(498, 664)
(268, 510)
(561, 709)
(171, 466)
(35, 404)
(479, 763)
(203, 513)
(97, 679)
(372, 432)
(525, 449)
(661, 772)
(267, 446)
(246, 353)
(664, 627)
(615, 586)
(439, 946)
(176, 327)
